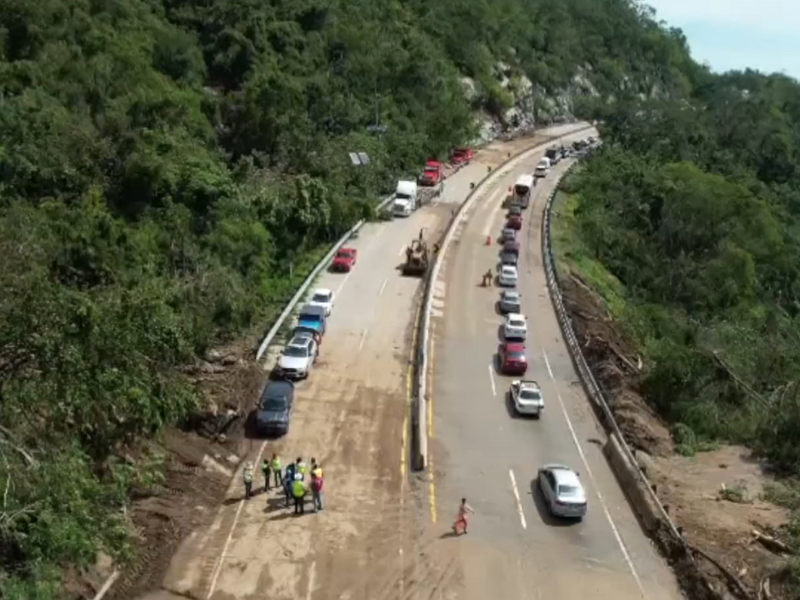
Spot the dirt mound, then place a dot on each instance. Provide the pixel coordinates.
(715, 498)
(616, 367)
(198, 465)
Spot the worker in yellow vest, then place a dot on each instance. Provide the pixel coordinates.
(299, 493)
(301, 467)
(248, 479)
(276, 469)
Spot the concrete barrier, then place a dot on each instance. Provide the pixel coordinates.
(419, 447)
(653, 515)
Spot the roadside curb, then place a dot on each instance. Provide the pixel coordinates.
(420, 397)
(640, 493)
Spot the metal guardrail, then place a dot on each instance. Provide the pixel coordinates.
(419, 412)
(268, 339)
(590, 384)
(287, 311)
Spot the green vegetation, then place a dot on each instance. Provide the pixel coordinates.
(693, 206)
(171, 169)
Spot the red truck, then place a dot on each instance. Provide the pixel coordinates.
(462, 156)
(433, 173)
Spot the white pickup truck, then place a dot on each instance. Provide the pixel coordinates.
(527, 397)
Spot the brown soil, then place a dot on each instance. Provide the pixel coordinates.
(198, 464)
(717, 522)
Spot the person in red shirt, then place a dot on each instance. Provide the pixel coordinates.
(317, 485)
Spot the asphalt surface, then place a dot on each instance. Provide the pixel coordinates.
(481, 450)
(351, 415)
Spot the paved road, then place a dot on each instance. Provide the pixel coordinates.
(481, 450)
(350, 415)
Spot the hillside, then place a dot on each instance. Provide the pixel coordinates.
(687, 225)
(169, 171)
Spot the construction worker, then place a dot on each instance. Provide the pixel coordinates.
(317, 485)
(248, 479)
(288, 479)
(299, 493)
(266, 470)
(301, 467)
(487, 278)
(276, 469)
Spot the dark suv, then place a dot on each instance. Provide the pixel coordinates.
(275, 408)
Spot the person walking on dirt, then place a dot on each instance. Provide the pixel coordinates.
(276, 469)
(299, 493)
(248, 480)
(266, 470)
(317, 485)
(288, 479)
(487, 278)
(461, 519)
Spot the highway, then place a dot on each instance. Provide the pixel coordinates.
(479, 449)
(351, 414)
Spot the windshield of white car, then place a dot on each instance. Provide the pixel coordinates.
(516, 323)
(567, 491)
(296, 351)
(530, 395)
(320, 298)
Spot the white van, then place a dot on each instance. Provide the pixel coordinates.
(542, 169)
(521, 192)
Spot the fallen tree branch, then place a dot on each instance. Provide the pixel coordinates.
(7, 442)
(733, 580)
(772, 544)
(763, 401)
(764, 592)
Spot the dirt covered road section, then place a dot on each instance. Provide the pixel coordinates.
(350, 415)
(717, 496)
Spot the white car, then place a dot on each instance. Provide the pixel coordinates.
(563, 491)
(508, 276)
(516, 327)
(527, 397)
(297, 358)
(323, 298)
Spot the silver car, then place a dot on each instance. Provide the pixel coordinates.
(297, 358)
(510, 301)
(563, 491)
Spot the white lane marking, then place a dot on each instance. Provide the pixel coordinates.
(494, 204)
(221, 559)
(617, 534)
(363, 337)
(516, 495)
(341, 285)
(312, 573)
(402, 249)
(491, 379)
(383, 287)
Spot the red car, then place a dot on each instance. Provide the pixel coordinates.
(511, 246)
(345, 259)
(512, 358)
(514, 222)
(433, 173)
(462, 156)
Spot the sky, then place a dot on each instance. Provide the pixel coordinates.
(735, 34)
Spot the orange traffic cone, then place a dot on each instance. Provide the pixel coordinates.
(488, 240)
